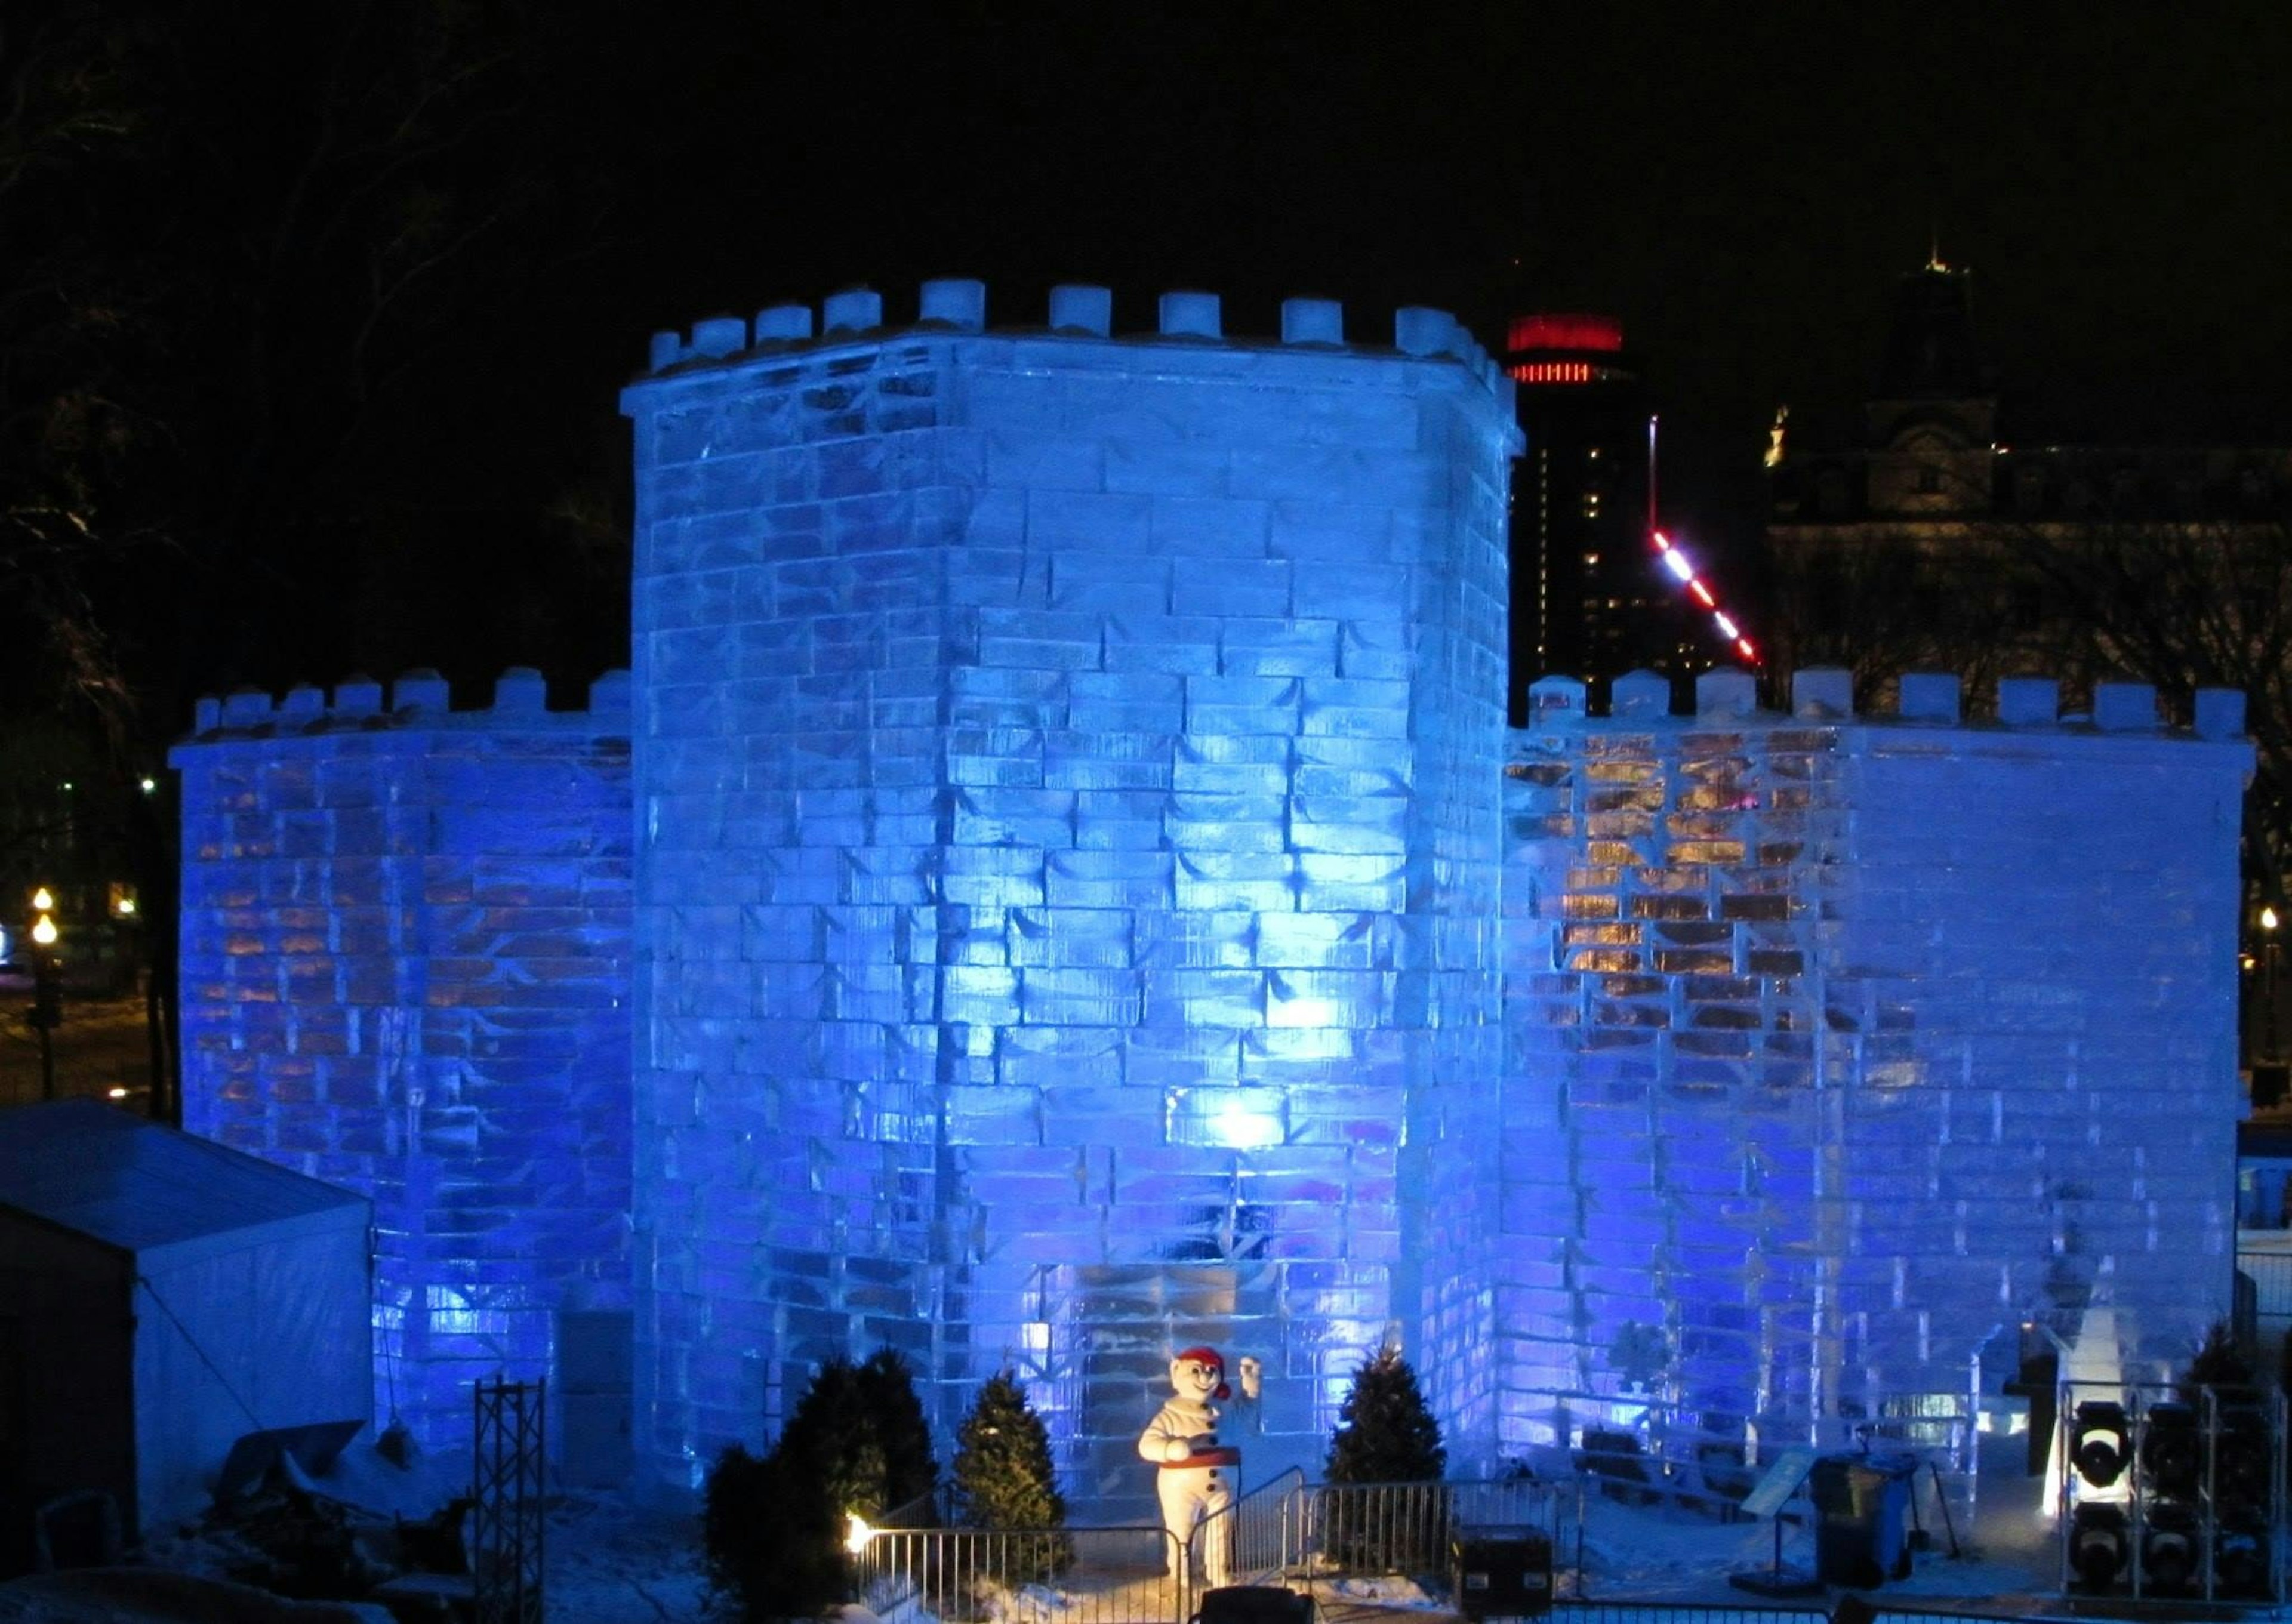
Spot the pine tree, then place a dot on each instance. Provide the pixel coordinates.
(887, 1391)
(1003, 1476)
(1385, 1434)
(770, 1549)
(774, 1528)
(2219, 1362)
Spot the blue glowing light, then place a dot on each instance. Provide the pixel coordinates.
(1069, 894)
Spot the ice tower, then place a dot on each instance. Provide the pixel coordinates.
(1067, 773)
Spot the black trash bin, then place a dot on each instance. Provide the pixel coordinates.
(1253, 1604)
(1500, 1571)
(1862, 1504)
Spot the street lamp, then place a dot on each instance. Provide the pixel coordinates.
(47, 990)
(2268, 982)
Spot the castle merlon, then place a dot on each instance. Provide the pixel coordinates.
(955, 306)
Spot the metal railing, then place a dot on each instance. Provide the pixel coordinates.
(1122, 1575)
(1405, 1528)
(2271, 1274)
(1721, 1613)
(1253, 1539)
(1284, 1532)
(1682, 1612)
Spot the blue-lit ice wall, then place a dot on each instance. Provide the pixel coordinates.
(405, 970)
(1068, 771)
(1838, 1047)
(1086, 904)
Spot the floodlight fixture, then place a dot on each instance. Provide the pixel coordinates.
(2100, 1442)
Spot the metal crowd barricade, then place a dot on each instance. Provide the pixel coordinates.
(1284, 1532)
(1117, 1575)
(1682, 1612)
(1256, 1533)
(1346, 1529)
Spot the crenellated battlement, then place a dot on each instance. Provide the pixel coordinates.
(958, 305)
(405, 942)
(418, 697)
(1067, 888)
(1926, 699)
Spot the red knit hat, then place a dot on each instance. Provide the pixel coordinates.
(1206, 1356)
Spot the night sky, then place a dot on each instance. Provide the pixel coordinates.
(443, 480)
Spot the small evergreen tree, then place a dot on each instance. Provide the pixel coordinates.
(769, 1548)
(1003, 1476)
(774, 1528)
(1385, 1434)
(887, 1391)
(2218, 1362)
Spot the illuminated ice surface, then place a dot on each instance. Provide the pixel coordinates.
(1068, 771)
(1086, 903)
(1839, 1049)
(405, 968)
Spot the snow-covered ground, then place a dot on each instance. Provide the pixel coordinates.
(611, 1564)
(607, 1558)
(613, 1561)
(2008, 1561)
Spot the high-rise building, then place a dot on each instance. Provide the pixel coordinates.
(1587, 597)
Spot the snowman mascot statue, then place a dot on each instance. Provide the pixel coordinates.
(1195, 1476)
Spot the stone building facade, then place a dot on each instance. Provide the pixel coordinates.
(1956, 532)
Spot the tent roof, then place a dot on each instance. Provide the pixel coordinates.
(137, 1186)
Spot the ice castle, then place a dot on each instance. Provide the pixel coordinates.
(1057, 887)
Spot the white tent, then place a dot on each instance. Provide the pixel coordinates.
(160, 1297)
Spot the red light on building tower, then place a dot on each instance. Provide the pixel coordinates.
(1550, 330)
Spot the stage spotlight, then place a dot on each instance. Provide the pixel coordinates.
(2099, 1541)
(2172, 1450)
(2240, 1553)
(2099, 1442)
(2169, 1547)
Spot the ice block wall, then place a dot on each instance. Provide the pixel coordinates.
(1068, 771)
(405, 969)
(1839, 1046)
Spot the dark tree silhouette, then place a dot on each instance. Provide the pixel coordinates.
(773, 1529)
(233, 444)
(2184, 604)
(887, 1392)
